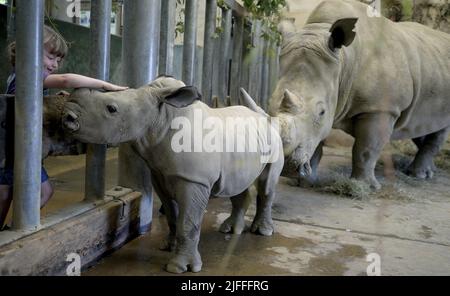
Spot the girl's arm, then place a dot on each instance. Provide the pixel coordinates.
(77, 81)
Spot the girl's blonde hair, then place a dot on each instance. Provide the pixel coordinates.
(54, 43)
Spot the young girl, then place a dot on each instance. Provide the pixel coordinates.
(55, 49)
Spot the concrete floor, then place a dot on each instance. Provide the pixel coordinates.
(407, 224)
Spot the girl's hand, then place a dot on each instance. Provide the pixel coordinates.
(62, 93)
(113, 87)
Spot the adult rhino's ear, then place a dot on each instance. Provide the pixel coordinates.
(342, 33)
(183, 97)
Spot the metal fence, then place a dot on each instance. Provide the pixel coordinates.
(238, 57)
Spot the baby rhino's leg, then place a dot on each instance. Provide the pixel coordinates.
(192, 200)
(236, 223)
(267, 184)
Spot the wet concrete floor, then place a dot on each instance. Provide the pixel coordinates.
(316, 233)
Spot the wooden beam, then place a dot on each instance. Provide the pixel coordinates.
(90, 235)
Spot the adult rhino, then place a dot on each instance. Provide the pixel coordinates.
(149, 119)
(375, 79)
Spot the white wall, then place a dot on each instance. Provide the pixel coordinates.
(300, 10)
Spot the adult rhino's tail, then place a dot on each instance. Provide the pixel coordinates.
(248, 102)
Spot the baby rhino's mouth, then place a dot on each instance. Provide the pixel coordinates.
(70, 121)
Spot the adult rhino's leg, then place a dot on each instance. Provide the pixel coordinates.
(192, 200)
(236, 223)
(371, 132)
(267, 183)
(310, 180)
(423, 166)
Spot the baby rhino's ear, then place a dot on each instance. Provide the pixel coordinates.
(183, 97)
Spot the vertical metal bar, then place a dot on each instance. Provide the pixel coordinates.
(10, 22)
(100, 37)
(189, 41)
(246, 58)
(255, 63)
(119, 20)
(265, 73)
(236, 64)
(28, 114)
(140, 49)
(273, 67)
(225, 54)
(167, 37)
(208, 50)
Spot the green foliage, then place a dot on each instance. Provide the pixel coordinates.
(269, 12)
(179, 27)
(264, 8)
(222, 4)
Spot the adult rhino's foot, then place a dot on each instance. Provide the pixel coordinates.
(307, 181)
(168, 244)
(303, 182)
(233, 224)
(371, 180)
(183, 263)
(263, 226)
(421, 171)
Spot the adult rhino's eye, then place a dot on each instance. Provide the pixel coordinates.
(112, 108)
(322, 113)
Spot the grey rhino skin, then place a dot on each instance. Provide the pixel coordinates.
(184, 181)
(383, 81)
(55, 141)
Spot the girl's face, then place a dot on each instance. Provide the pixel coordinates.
(51, 62)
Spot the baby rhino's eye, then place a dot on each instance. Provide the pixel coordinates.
(112, 108)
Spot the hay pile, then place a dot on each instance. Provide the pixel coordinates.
(433, 13)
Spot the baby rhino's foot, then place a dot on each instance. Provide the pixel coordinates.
(263, 226)
(183, 263)
(233, 224)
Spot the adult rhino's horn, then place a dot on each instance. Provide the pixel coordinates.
(247, 101)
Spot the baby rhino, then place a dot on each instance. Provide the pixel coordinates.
(192, 151)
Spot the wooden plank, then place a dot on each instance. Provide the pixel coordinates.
(90, 235)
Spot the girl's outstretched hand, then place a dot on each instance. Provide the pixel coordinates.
(113, 87)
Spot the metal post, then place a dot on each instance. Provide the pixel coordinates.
(246, 59)
(273, 67)
(168, 13)
(225, 54)
(140, 62)
(99, 52)
(238, 34)
(265, 73)
(118, 31)
(28, 114)
(140, 50)
(10, 22)
(255, 63)
(189, 41)
(208, 50)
